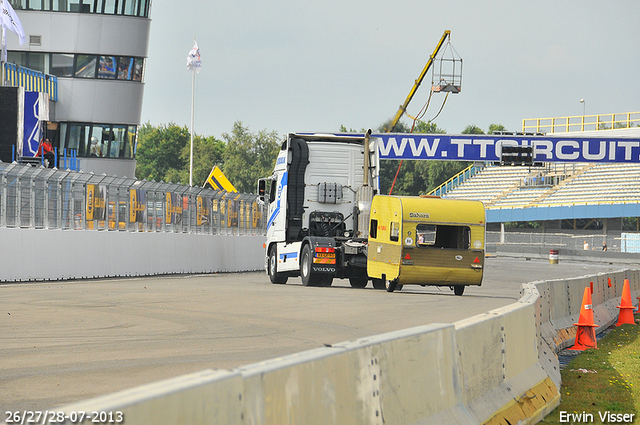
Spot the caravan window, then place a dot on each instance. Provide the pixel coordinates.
(425, 234)
(394, 234)
(373, 228)
(443, 236)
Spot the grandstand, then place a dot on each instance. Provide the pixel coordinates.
(556, 191)
(556, 184)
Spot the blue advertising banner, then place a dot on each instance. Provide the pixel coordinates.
(472, 147)
(32, 124)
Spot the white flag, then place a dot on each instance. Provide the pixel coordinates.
(193, 60)
(10, 20)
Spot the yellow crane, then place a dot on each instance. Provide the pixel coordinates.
(403, 107)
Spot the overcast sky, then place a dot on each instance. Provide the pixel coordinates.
(315, 65)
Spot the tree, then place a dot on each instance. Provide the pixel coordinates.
(159, 150)
(472, 129)
(163, 154)
(208, 152)
(496, 127)
(249, 156)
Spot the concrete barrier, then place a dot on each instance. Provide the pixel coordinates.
(41, 254)
(497, 367)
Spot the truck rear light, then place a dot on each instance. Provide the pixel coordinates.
(325, 249)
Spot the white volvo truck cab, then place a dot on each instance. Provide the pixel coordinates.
(319, 199)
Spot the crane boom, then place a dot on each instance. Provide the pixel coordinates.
(403, 107)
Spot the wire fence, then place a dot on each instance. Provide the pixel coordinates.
(614, 241)
(45, 198)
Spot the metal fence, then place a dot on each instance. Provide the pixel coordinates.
(45, 198)
(556, 240)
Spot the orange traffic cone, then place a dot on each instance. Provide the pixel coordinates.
(626, 306)
(586, 334)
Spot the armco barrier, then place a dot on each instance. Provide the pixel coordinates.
(498, 367)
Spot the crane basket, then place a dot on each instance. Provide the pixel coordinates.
(447, 74)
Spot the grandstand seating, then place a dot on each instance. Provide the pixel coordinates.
(489, 184)
(566, 184)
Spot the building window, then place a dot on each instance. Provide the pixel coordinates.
(18, 4)
(61, 65)
(60, 6)
(75, 138)
(39, 4)
(107, 67)
(99, 140)
(131, 7)
(109, 7)
(82, 6)
(85, 66)
(125, 68)
(137, 69)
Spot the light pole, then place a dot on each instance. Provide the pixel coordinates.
(583, 106)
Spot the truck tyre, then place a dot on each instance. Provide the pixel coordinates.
(378, 283)
(309, 278)
(358, 282)
(327, 280)
(274, 276)
(458, 289)
(390, 285)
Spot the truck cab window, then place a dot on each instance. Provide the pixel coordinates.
(272, 190)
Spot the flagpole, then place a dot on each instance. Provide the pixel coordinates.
(3, 53)
(193, 89)
(193, 64)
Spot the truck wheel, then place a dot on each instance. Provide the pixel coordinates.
(390, 285)
(458, 289)
(358, 282)
(309, 278)
(327, 280)
(274, 276)
(378, 283)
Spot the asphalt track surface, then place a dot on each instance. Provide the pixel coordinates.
(62, 342)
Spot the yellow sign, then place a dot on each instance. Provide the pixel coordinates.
(219, 181)
(137, 205)
(202, 211)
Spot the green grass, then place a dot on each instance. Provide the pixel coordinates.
(606, 379)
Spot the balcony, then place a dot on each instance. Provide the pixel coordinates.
(33, 81)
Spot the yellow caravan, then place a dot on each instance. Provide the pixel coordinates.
(426, 241)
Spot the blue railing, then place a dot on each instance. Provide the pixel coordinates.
(456, 180)
(68, 160)
(31, 80)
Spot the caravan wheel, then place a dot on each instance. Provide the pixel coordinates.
(390, 285)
